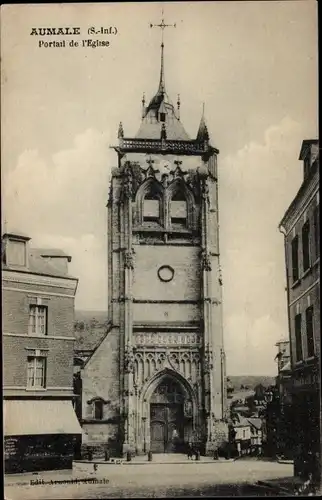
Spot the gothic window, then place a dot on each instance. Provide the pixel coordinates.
(95, 408)
(169, 391)
(178, 209)
(151, 208)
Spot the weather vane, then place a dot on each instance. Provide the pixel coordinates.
(162, 25)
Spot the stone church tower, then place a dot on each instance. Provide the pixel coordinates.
(159, 374)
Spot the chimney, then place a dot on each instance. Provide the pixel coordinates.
(15, 248)
(57, 258)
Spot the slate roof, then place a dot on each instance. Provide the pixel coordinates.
(88, 340)
(91, 336)
(52, 252)
(151, 129)
(287, 367)
(240, 421)
(151, 125)
(38, 265)
(255, 422)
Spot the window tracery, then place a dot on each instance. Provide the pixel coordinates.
(146, 364)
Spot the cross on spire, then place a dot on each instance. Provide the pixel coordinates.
(162, 26)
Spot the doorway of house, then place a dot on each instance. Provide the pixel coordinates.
(167, 417)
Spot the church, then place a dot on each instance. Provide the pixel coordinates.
(156, 381)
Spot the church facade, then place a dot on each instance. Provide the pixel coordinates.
(157, 379)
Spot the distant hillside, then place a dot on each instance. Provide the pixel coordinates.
(250, 381)
(87, 316)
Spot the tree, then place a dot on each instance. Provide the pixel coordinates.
(250, 402)
(79, 326)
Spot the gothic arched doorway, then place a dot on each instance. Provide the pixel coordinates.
(167, 417)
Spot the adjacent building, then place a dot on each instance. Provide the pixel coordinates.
(256, 434)
(159, 373)
(40, 426)
(301, 227)
(284, 388)
(242, 428)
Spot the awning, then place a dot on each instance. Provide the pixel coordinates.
(26, 417)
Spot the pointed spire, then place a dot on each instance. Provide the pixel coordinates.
(143, 105)
(203, 134)
(160, 110)
(162, 26)
(162, 82)
(178, 106)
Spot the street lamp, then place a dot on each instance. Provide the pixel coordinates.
(271, 421)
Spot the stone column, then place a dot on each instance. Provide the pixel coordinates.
(206, 267)
(128, 367)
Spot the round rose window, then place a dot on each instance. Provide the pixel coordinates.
(165, 273)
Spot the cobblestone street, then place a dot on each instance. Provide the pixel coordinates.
(156, 480)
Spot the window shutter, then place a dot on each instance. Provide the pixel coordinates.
(28, 301)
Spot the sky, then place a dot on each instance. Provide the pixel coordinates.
(253, 64)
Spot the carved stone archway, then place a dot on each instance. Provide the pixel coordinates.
(189, 402)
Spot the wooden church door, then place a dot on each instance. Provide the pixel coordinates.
(166, 418)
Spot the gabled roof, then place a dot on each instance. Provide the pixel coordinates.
(255, 422)
(240, 421)
(39, 265)
(88, 340)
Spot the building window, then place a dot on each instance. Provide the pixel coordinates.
(98, 410)
(244, 434)
(295, 258)
(298, 337)
(162, 117)
(309, 331)
(307, 164)
(316, 229)
(151, 208)
(38, 320)
(36, 376)
(306, 245)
